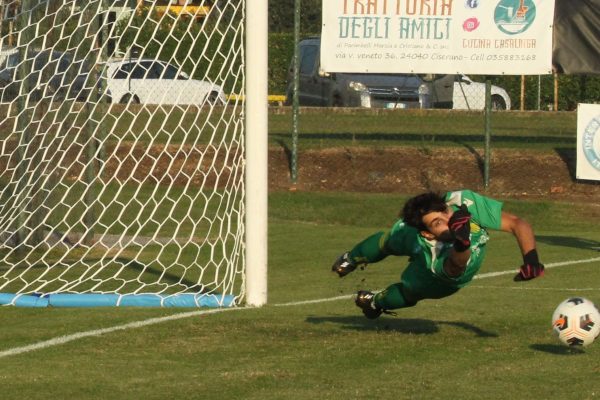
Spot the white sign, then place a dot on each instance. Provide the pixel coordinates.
(588, 142)
(488, 37)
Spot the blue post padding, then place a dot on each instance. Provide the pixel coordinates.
(140, 300)
(23, 300)
(6, 298)
(199, 300)
(215, 300)
(115, 300)
(83, 300)
(181, 300)
(176, 300)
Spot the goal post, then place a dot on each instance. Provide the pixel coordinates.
(133, 151)
(257, 151)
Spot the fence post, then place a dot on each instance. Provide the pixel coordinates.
(539, 93)
(23, 38)
(90, 176)
(522, 93)
(555, 91)
(488, 134)
(296, 100)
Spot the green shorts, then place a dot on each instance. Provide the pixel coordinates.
(419, 282)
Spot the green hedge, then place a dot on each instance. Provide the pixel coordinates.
(190, 53)
(205, 51)
(281, 51)
(572, 89)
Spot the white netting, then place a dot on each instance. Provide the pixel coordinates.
(121, 160)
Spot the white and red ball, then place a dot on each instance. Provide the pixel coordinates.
(576, 322)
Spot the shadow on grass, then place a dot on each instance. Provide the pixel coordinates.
(557, 349)
(478, 157)
(164, 276)
(415, 326)
(569, 156)
(143, 271)
(567, 241)
(288, 153)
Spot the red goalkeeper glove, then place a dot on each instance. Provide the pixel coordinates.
(460, 228)
(531, 268)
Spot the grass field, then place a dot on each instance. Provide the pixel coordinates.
(318, 127)
(492, 340)
(322, 127)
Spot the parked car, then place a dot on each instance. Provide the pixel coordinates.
(42, 69)
(470, 95)
(50, 75)
(150, 81)
(319, 88)
(57, 76)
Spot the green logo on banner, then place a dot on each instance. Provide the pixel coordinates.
(514, 16)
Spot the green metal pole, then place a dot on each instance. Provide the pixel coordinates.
(296, 102)
(539, 93)
(91, 126)
(104, 104)
(488, 133)
(38, 204)
(23, 120)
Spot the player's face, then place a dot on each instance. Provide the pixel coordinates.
(437, 225)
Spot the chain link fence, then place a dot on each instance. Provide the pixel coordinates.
(523, 114)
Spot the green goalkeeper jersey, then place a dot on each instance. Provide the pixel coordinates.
(429, 255)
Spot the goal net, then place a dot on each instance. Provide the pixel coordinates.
(122, 155)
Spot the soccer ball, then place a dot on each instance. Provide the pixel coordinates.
(576, 322)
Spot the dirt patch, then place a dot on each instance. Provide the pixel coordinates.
(513, 173)
(406, 170)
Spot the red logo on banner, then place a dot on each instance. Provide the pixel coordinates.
(471, 24)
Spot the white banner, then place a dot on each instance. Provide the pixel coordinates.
(588, 141)
(488, 37)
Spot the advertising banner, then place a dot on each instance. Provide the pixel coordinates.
(588, 142)
(487, 37)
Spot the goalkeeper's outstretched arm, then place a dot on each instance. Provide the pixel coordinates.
(523, 232)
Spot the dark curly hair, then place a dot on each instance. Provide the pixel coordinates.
(417, 207)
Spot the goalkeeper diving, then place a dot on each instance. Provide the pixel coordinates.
(445, 238)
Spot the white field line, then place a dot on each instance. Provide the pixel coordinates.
(548, 289)
(98, 332)
(551, 265)
(152, 321)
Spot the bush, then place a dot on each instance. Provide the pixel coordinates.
(204, 51)
(572, 89)
(194, 55)
(281, 52)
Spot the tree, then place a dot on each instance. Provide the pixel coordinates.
(281, 16)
